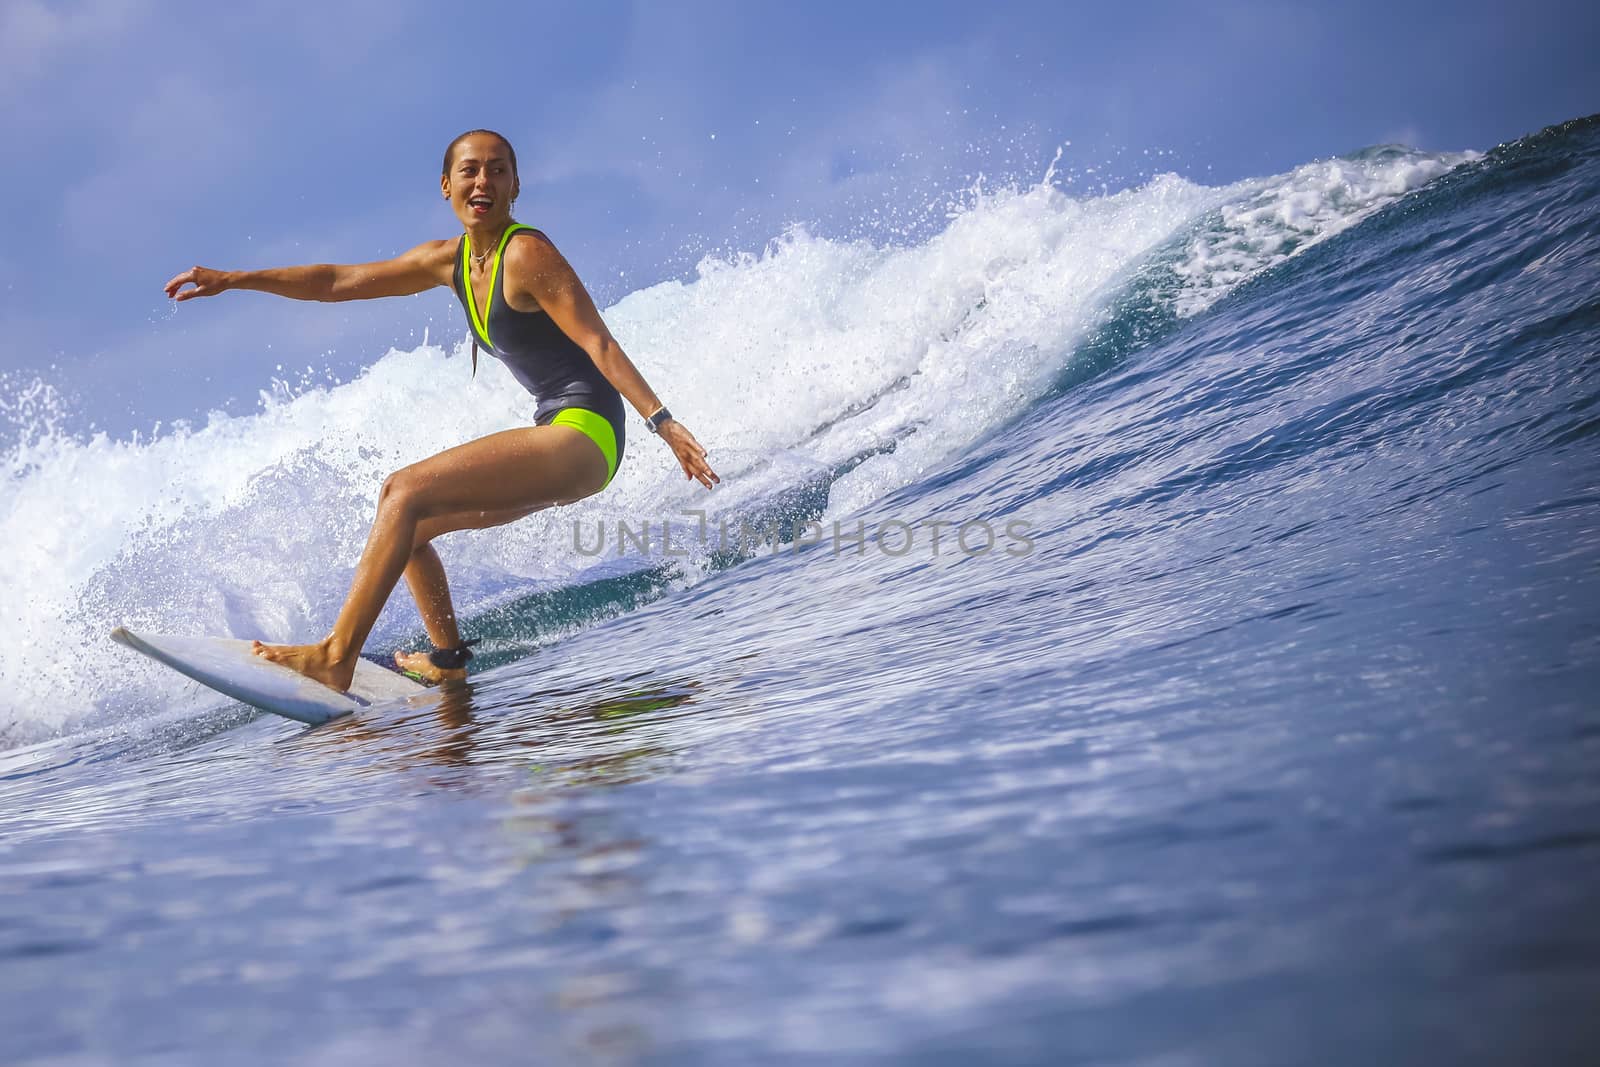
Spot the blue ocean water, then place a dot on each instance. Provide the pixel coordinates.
(1154, 628)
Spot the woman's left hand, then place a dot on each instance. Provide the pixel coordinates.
(689, 452)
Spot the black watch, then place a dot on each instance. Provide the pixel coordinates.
(654, 421)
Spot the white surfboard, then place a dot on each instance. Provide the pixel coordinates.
(228, 666)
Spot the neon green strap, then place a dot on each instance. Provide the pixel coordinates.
(480, 322)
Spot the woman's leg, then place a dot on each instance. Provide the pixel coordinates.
(431, 589)
(522, 469)
(425, 571)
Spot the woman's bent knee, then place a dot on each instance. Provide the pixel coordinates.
(400, 492)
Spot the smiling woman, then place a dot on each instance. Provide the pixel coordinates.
(525, 305)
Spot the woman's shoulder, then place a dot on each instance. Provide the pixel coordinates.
(434, 253)
(533, 249)
(534, 235)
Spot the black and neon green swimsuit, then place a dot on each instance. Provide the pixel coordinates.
(549, 364)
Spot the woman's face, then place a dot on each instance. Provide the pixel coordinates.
(480, 183)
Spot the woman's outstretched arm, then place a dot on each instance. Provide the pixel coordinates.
(425, 266)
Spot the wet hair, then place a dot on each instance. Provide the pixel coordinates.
(449, 153)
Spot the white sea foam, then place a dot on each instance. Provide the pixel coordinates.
(787, 364)
(1268, 220)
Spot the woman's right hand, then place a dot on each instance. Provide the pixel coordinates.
(689, 452)
(206, 282)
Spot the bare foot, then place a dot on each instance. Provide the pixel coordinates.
(314, 661)
(420, 667)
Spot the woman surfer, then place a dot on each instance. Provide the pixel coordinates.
(524, 304)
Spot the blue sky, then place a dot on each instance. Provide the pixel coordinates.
(142, 138)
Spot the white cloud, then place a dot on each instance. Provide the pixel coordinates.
(36, 37)
(903, 124)
(176, 137)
